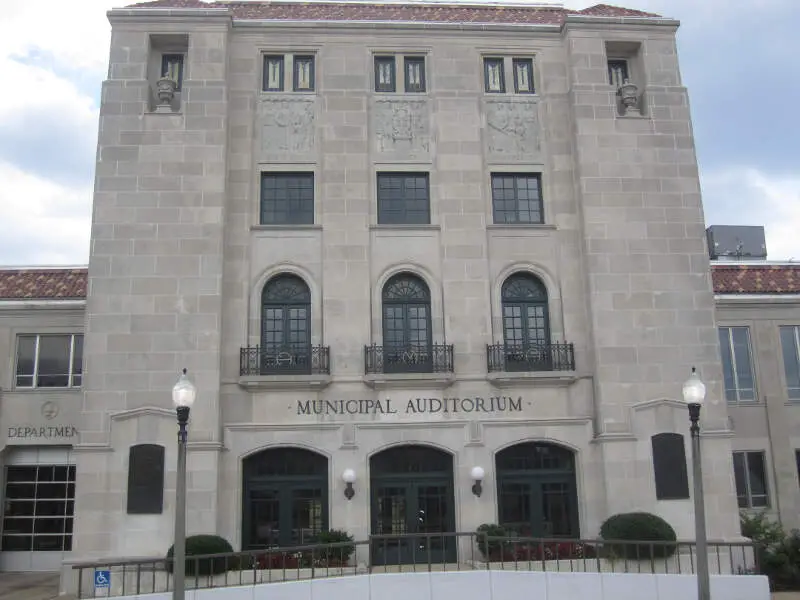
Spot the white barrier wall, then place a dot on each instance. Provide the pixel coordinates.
(491, 585)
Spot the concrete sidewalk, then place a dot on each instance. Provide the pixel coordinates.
(29, 586)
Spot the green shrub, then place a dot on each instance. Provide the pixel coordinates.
(199, 545)
(336, 553)
(777, 553)
(490, 548)
(638, 527)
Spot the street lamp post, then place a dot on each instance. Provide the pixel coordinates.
(694, 392)
(183, 396)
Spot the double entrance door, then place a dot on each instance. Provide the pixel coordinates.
(286, 513)
(409, 516)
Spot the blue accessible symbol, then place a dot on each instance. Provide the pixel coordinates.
(102, 579)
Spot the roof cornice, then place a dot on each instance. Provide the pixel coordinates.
(395, 25)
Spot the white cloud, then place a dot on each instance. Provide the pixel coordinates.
(749, 196)
(43, 223)
(75, 34)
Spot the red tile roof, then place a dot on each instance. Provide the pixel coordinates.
(68, 283)
(438, 13)
(43, 284)
(756, 279)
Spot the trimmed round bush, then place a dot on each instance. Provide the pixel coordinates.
(490, 548)
(200, 545)
(649, 530)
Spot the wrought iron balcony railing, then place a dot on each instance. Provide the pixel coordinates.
(530, 357)
(285, 359)
(434, 358)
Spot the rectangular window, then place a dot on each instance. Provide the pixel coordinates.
(617, 72)
(414, 74)
(517, 198)
(172, 68)
(49, 361)
(790, 344)
(669, 466)
(750, 473)
(287, 198)
(523, 75)
(385, 74)
(273, 73)
(403, 199)
(493, 75)
(39, 506)
(303, 74)
(737, 365)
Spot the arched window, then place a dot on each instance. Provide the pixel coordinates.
(536, 490)
(286, 324)
(406, 321)
(525, 313)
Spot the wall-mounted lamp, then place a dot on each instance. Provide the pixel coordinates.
(349, 477)
(477, 476)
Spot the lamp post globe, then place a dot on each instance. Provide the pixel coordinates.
(184, 392)
(694, 390)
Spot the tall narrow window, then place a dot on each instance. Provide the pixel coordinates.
(403, 199)
(523, 75)
(273, 73)
(303, 73)
(737, 365)
(385, 74)
(750, 474)
(617, 72)
(406, 316)
(415, 74)
(493, 75)
(790, 344)
(172, 68)
(517, 198)
(287, 198)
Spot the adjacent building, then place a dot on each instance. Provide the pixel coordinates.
(416, 242)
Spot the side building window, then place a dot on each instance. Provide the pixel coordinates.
(669, 466)
(287, 198)
(790, 344)
(494, 75)
(517, 198)
(146, 479)
(750, 474)
(300, 78)
(737, 364)
(49, 361)
(413, 80)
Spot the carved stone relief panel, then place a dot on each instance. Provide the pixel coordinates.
(288, 127)
(401, 128)
(513, 131)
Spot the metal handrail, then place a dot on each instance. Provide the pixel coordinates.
(415, 552)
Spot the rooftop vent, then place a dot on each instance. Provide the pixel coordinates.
(736, 242)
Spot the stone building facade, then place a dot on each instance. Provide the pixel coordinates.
(403, 241)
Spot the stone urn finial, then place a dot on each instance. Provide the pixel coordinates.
(629, 93)
(165, 91)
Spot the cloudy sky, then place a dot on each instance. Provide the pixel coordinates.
(739, 60)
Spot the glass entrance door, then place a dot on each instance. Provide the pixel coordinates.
(284, 515)
(417, 512)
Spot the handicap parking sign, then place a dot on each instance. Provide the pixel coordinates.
(102, 579)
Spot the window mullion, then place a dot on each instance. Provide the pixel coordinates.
(734, 368)
(71, 360)
(35, 382)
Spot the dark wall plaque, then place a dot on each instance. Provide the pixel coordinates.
(146, 479)
(669, 466)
